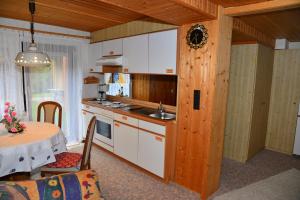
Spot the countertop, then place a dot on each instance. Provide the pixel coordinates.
(129, 113)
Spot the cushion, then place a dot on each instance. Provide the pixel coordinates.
(82, 185)
(66, 160)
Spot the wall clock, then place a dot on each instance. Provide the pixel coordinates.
(197, 36)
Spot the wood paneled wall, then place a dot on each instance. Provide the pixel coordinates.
(261, 101)
(140, 86)
(285, 98)
(200, 132)
(129, 29)
(155, 88)
(240, 101)
(248, 101)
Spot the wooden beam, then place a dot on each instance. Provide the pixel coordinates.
(267, 6)
(167, 10)
(45, 32)
(202, 6)
(129, 29)
(242, 27)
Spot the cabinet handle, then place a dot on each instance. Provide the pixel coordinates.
(124, 117)
(169, 71)
(111, 53)
(117, 125)
(158, 138)
(91, 70)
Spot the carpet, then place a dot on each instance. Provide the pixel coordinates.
(283, 186)
(121, 181)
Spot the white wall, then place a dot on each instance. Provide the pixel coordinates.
(285, 44)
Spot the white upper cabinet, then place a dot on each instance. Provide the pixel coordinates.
(95, 52)
(112, 47)
(162, 52)
(135, 52)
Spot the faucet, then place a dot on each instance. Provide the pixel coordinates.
(161, 108)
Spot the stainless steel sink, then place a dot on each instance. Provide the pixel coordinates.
(163, 115)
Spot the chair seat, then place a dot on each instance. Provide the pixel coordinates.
(66, 160)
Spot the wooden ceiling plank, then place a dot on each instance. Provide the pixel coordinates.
(267, 6)
(168, 10)
(242, 27)
(67, 9)
(232, 3)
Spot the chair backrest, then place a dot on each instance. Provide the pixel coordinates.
(85, 161)
(50, 108)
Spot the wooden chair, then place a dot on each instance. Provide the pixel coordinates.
(69, 162)
(50, 108)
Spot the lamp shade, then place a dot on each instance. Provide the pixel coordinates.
(32, 58)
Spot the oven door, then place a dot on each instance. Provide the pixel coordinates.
(104, 130)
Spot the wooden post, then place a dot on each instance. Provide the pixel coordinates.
(200, 132)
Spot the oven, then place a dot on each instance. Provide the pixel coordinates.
(104, 130)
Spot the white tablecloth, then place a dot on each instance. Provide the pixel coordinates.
(33, 148)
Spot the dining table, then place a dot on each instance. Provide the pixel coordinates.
(36, 146)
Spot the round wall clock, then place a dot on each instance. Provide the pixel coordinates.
(197, 36)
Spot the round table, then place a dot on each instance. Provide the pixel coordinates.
(33, 148)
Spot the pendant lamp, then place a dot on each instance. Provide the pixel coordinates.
(32, 57)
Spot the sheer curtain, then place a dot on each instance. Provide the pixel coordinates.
(61, 82)
(10, 74)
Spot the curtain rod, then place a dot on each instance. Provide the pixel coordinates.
(45, 32)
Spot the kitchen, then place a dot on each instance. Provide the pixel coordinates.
(184, 99)
(137, 130)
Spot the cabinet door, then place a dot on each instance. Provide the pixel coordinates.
(126, 142)
(151, 152)
(95, 52)
(162, 52)
(86, 118)
(135, 52)
(112, 47)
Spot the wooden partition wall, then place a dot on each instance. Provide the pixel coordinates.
(200, 132)
(248, 101)
(285, 100)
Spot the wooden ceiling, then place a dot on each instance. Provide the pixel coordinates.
(87, 15)
(233, 3)
(280, 24)
(92, 15)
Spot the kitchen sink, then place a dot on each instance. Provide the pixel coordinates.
(163, 115)
(150, 112)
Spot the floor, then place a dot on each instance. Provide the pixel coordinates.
(120, 181)
(265, 164)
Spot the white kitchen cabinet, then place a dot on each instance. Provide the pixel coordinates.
(151, 152)
(126, 142)
(95, 52)
(86, 118)
(135, 52)
(112, 47)
(162, 52)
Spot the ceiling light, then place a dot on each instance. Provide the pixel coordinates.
(32, 57)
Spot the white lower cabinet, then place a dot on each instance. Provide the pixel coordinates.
(87, 116)
(126, 142)
(151, 152)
